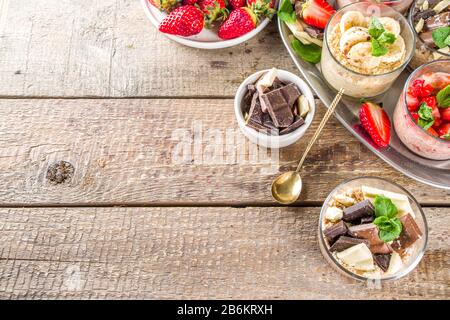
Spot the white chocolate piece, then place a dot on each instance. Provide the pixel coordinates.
(395, 264)
(333, 214)
(303, 106)
(358, 257)
(401, 201)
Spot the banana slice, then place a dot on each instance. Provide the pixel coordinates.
(390, 25)
(353, 36)
(352, 19)
(396, 51)
(360, 55)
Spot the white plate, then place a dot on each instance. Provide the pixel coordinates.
(207, 39)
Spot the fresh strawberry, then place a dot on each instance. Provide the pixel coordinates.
(432, 132)
(412, 101)
(236, 3)
(376, 122)
(316, 13)
(214, 10)
(191, 2)
(436, 115)
(444, 130)
(415, 116)
(183, 21)
(239, 22)
(426, 90)
(165, 5)
(430, 101)
(445, 114)
(416, 87)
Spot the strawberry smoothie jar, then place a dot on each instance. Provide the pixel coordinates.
(410, 133)
(399, 5)
(369, 84)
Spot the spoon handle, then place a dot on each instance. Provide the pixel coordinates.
(321, 126)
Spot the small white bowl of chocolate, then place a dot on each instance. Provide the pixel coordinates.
(274, 108)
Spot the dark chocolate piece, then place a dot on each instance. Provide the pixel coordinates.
(382, 260)
(410, 231)
(427, 38)
(346, 242)
(314, 32)
(370, 232)
(296, 124)
(424, 14)
(279, 110)
(255, 113)
(335, 231)
(290, 93)
(257, 126)
(438, 21)
(358, 211)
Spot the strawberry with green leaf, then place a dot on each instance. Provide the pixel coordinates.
(214, 10)
(183, 21)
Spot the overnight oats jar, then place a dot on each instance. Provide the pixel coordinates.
(421, 124)
(366, 47)
(372, 229)
(399, 5)
(426, 17)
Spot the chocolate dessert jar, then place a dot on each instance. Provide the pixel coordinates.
(424, 53)
(410, 261)
(358, 85)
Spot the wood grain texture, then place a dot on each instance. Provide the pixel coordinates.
(108, 48)
(130, 151)
(256, 253)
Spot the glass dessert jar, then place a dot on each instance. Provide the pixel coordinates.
(399, 5)
(420, 16)
(366, 189)
(414, 137)
(347, 58)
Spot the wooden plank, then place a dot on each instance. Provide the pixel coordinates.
(251, 253)
(109, 48)
(131, 151)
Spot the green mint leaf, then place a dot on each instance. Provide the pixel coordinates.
(443, 97)
(376, 29)
(308, 52)
(386, 38)
(440, 36)
(447, 41)
(384, 207)
(286, 12)
(378, 49)
(382, 222)
(389, 229)
(426, 119)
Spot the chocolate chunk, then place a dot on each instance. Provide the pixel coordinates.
(278, 109)
(255, 113)
(296, 124)
(257, 126)
(438, 21)
(370, 231)
(424, 14)
(290, 93)
(335, 231)
(382, 260)
(367, 219)
(277, 84)
(346, 242)
(314, 32)
(427, 38)
(410, 231)
(251, 89)
(358, 211)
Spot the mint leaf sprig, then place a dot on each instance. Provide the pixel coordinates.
(441, 37)
(286, 12)
(443, 97)
(389, 225)
(426, 118)
(380, 38)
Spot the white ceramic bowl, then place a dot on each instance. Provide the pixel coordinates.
(207, 39)
(261, 138)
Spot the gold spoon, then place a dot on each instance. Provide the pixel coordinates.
(287, 187)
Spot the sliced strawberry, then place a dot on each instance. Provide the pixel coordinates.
(436, 115)
(426, 90)
(430, 101)
(444, 130)
(416, 87)
(445, 114)
(415, 116)
(432, 132)
(376, 122)
(412, 101)
(316, 13)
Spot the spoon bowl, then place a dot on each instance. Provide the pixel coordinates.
(287, 187)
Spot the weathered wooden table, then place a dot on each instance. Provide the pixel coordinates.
(94, 84)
